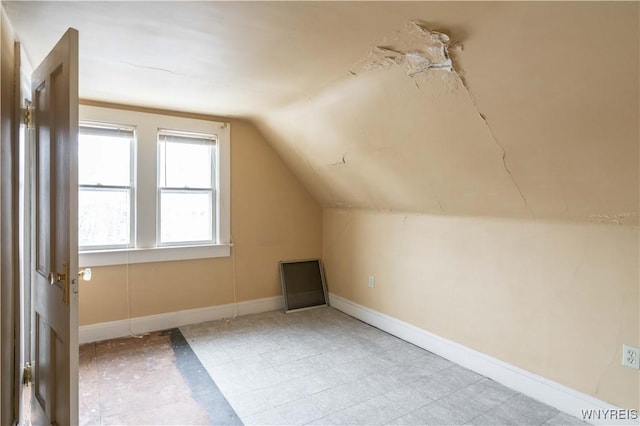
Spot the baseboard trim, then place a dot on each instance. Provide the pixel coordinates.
(554, 394)
(137, 325)
(257, 306)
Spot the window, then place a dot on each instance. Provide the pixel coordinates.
(153, 188)
(186, 187)
(105, 199)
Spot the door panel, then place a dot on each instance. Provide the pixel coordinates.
(43, 178)
(55, 343)
(41, 380)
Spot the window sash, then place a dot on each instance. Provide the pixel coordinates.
(122, 135)
(187, 138)
(119, 131)
(175, 136)
(212, 220)
(99, 129)
(165, 137)
(131, 236)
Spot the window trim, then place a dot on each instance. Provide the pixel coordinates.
(155, 254)
(147, 126)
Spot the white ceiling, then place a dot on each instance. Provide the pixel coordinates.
(538, 119)
(228, 58)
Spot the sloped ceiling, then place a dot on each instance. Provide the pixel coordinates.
(537, 118)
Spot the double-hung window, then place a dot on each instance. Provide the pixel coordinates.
(186, 188)
(154, 188)
(105, 181)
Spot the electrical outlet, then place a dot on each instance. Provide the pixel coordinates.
(372, 281)
(631, 356)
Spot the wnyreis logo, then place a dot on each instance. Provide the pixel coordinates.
(600, 414)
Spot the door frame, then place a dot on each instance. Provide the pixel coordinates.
(24, 182)
(9, 276)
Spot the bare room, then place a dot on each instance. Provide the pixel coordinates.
(459, 181)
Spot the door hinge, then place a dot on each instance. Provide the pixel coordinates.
(26, 374)
(28, 116)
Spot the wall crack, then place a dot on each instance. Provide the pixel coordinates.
(484, 119)
(435, 197)
(155, 69)
(615, 356)
(419, 50)
(340, 162)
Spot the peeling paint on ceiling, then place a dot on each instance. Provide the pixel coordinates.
(414, 48)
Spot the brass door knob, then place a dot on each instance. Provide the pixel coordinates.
(85, 274)
(54, 278)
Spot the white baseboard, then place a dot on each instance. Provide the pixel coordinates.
(127, 327)
(551, 393)
(257, 306)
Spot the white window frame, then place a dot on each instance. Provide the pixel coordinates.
(212, 190)
(146, 239)
(132, 188)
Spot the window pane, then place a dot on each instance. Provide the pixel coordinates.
(185, 165)
(185, 216)
(104, 217)
(104, 160)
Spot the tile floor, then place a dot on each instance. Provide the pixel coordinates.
(318, 367)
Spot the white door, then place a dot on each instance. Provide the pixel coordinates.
(55, 226)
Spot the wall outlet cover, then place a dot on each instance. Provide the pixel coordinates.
(631, 356)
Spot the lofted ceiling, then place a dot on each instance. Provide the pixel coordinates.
(536, 115)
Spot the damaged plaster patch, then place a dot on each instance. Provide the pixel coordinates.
(341, 205)
(414, 48)
(617, 219)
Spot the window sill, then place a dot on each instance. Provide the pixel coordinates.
(157, 254)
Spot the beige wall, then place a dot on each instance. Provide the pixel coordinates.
(273, 218)
(557, 299)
